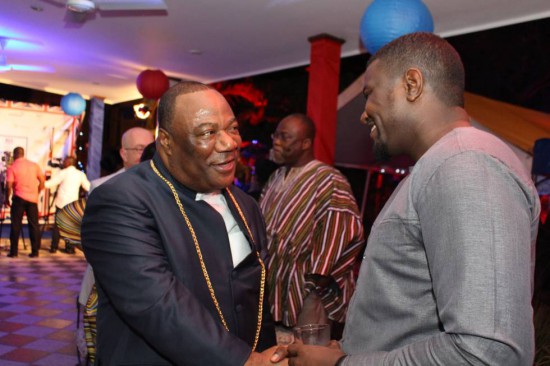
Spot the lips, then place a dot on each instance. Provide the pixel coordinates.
(225, 166)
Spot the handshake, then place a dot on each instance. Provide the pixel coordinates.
(298, 354)
(311, 347)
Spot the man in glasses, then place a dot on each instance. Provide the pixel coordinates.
(133, 143)
(314, 231)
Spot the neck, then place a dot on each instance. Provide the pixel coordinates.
(303, 160)
(435, 127)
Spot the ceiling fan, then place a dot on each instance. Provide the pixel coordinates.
(78, 11)
(86, 6)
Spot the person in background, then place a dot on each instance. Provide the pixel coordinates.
(314, 231)
(133, 142)
(447, 276)
(178, 252)
(25, 180)
(68, 182)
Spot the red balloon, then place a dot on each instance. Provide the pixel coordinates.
(152, 83)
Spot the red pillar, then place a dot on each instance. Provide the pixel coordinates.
(322, 96)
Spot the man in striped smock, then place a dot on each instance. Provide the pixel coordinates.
(314, 231)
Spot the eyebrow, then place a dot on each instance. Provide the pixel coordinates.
(211, 124)
(206, 124)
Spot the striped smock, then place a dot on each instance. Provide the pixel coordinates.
(313, 227)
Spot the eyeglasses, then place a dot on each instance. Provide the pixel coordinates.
(138, 149)
(280, 136)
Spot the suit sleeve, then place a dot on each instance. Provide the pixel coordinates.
(122, 243)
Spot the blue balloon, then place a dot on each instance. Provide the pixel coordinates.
(386, 20)
(73, 104)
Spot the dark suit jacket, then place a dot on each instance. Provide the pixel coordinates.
(154, 305)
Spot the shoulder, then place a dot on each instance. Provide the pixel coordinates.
(469, 157)
(128, 189)
(99, 181)
(463, 147)
(37, 169)
(329, 175)
(31, 164)
(328, 170)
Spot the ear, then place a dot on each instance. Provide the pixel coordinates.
(123, 154)
(414, 84)
(306, 144)
(165, 141)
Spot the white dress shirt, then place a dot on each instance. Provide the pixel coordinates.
(240, 247)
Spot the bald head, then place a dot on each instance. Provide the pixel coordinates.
(133, 143)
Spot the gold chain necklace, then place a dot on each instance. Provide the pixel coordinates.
(203, 266)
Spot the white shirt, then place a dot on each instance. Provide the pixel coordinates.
(69, 181)
(237, 241)
(99, 181)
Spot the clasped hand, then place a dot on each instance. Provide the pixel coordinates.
(298, 354)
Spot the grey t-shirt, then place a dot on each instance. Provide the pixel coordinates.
(447, 275)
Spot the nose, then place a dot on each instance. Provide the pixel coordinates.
(364, 117)
(276, 141)
(228, 142)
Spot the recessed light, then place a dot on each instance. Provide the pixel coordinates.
(195, 52)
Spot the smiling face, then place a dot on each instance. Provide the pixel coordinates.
(382, 112)
(201, 147)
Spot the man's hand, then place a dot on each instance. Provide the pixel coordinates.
(265, 358)
(305, 355)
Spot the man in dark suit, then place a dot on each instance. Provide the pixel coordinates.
(177, 251)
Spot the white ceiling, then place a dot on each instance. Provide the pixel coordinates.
(103, 56)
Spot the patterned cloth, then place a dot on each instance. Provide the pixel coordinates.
(90, 327)
(69, 219)
(313, 227)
